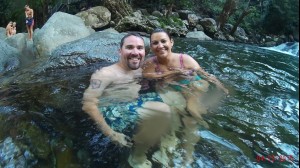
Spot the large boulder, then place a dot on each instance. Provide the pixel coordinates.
(18, 41)
(101, 46)
(96, 17)
(241, 34)
(136, 22)
(193, 20)
(9, 57)
(178, 30)
(184, 14)
(198, 34)
(209, 25)
(59, 29)
(2, 33)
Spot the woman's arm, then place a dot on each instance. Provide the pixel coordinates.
(150, 73)
(191, 63)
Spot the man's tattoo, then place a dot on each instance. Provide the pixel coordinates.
(95, 83)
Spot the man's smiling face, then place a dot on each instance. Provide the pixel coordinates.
(133, 52)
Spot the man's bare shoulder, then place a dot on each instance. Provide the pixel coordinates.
(104, 73)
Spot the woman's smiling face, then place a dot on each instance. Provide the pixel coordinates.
(161, 44)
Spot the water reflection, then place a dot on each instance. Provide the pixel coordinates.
(41, 119)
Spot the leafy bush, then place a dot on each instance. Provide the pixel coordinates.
(170, 21)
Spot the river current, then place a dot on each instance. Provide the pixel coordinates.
(257, 125)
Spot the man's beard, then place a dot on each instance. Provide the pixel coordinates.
(133, 66)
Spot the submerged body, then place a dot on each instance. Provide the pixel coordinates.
(120, 83)
(182, 84)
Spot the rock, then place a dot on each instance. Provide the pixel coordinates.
(111, 30)
(101, 46)
(135, 23)
(241, 34)
(96, 17)
(9, 57)
(144, 12)
(13, 156)
(209, 25)
(199, 27)
(219, 35)
(199, 35)
(157, 14)
(59, 29)
(183, 14)
(193, 20)
(17, 41)
(2, 33)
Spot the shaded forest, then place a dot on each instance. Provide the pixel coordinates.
(274, 17)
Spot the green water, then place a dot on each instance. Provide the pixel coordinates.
(259, 119)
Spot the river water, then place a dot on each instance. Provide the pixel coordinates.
(42, 124)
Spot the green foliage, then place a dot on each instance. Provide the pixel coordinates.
(282, 17)
(253, 21)
(183, 4)
(268, 16)
(170, 21)
(5, 12)
(162, 4)
(212, 8)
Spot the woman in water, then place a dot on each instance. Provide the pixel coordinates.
(182, 84)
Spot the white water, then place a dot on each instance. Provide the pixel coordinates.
(290, 48)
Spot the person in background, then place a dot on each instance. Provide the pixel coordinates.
(14, 28)
(9, 29)
(29, 21)
(119, 83)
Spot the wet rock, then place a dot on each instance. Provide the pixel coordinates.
(12, 155)
(8, 57)
(96, 17)
(2, 33)
(59, 29)
(199, 35)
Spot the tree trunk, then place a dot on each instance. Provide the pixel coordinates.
(118, 8)
(239, 21)
(228, 9)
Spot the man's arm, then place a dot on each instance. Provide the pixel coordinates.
(99, 82)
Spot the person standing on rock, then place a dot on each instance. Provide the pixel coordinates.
(29, 21)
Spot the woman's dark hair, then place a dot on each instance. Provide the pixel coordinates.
(130, 34)
(160, 30)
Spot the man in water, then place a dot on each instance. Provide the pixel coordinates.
(29, 21)
(119, 83)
